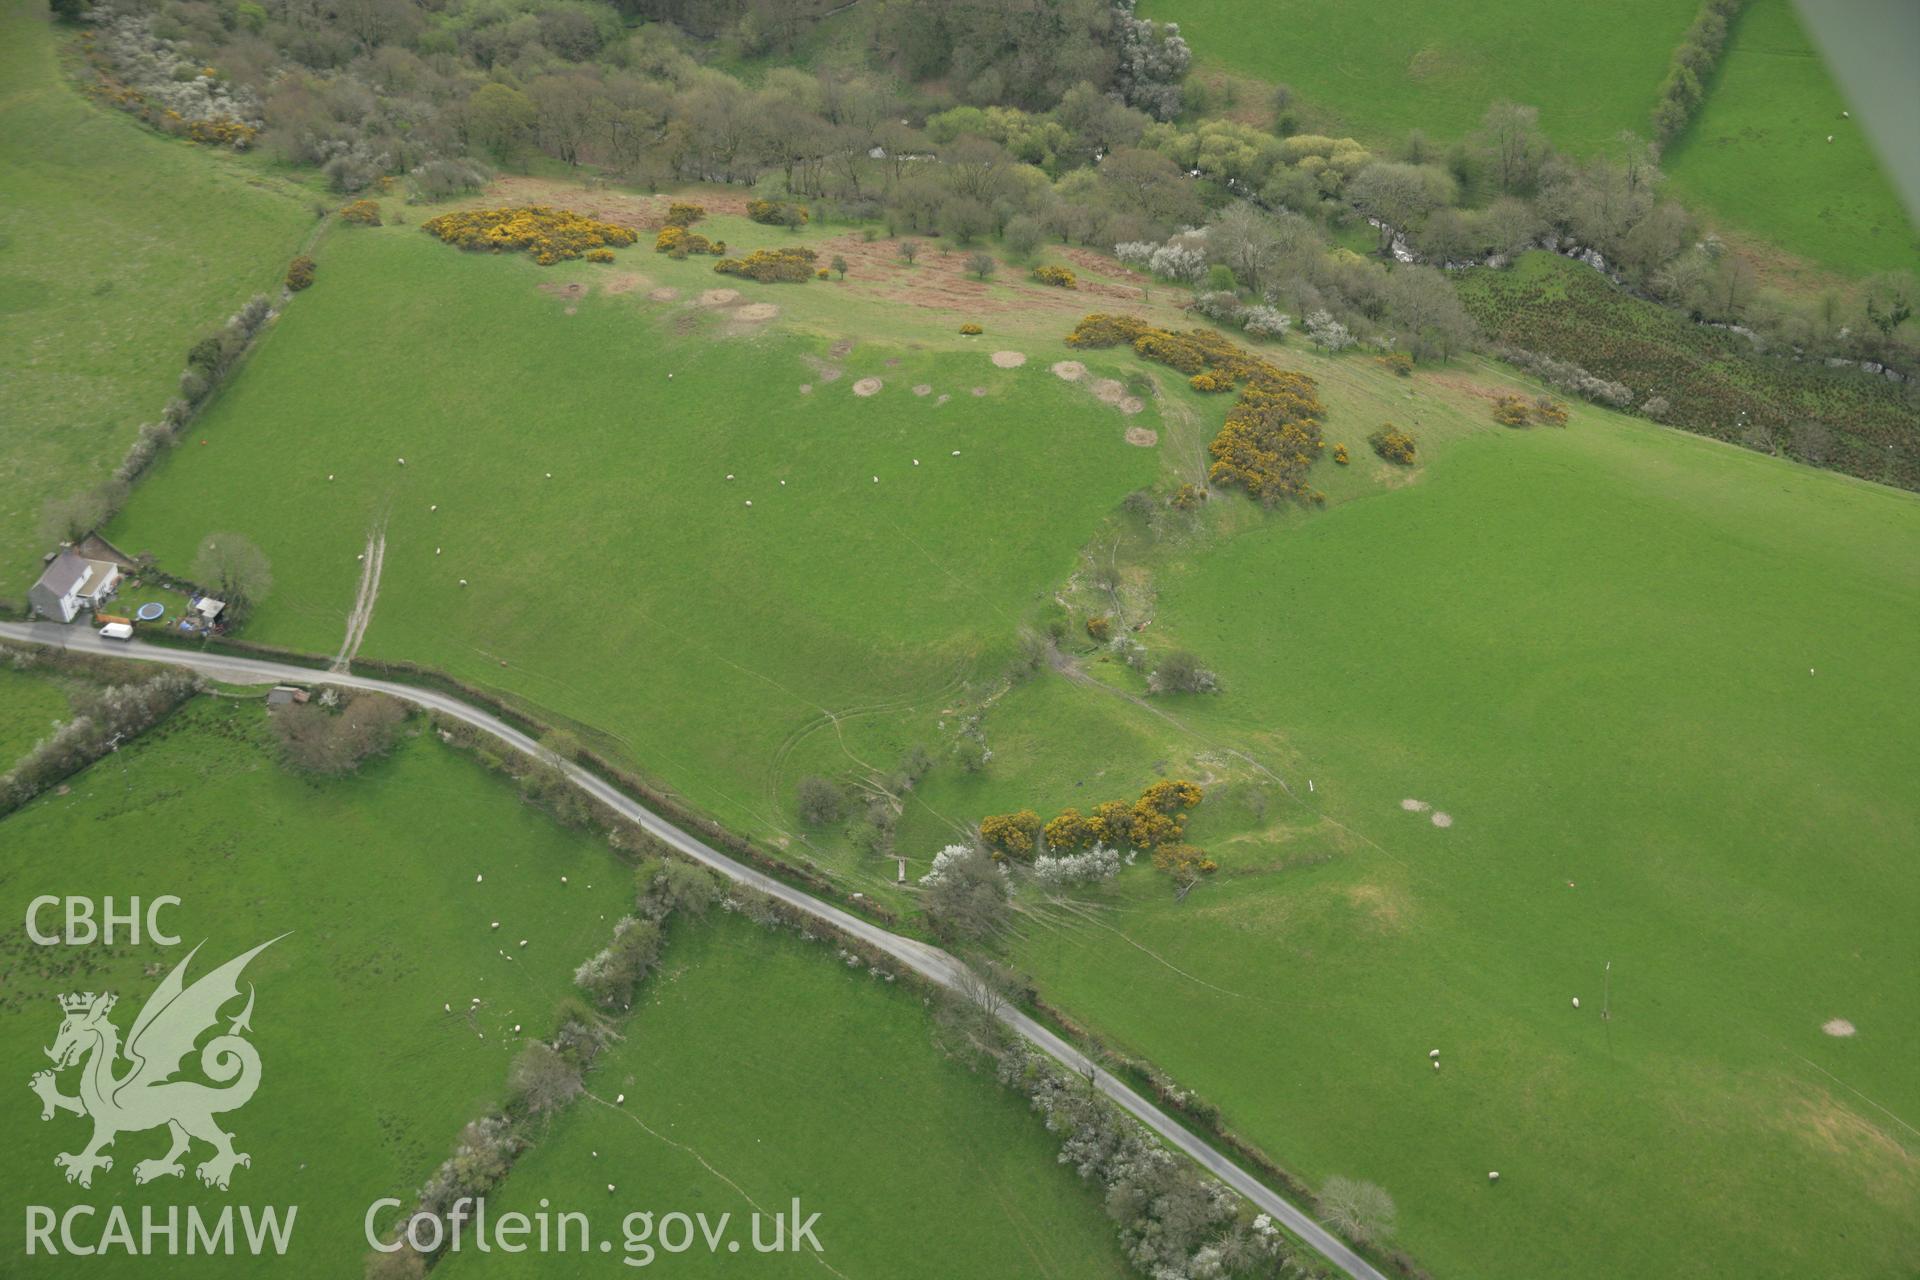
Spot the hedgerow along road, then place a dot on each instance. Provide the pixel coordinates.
(928, 961)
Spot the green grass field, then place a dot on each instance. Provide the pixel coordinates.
(118, 249)
(366, 1079)
(1757, 156)
(1589, 647)
(725, 647)
(1592, 650)
(758, 1069)
(30, 706)
(1377, 71)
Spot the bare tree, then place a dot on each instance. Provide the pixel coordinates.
(1510, 138)
(544, 1080)
(231, 565)
(1360, 1211)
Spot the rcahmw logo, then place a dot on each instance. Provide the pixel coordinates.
(143, 1083)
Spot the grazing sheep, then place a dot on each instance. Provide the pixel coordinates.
(1493, 1175)
(1576, 1002)
(476, 879)
(1433, 1053)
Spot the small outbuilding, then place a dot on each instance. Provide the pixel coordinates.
(283, 695)
(70, 583)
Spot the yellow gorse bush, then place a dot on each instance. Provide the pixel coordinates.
(1510, 411)
(1058, 277)
(237, 134)
(771, 266)
(1393, 444)
(361, 213)
(550, 235)
(1272, 433)
(971, 329)
(678, 242)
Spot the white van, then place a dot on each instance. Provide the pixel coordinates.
(117, 631)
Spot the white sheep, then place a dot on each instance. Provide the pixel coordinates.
(402, 461)
(876, 479)
(434, 507)
(476, 879)
(516, 1026)
(729, 475)
(956, 453)
(563, 879)
(494, 925)
(1576, 1002)
(1433, 1053)
(1493, 1175)
(1829, 137)
(749, 501)
(329, 475)
(463, 582)
(620, 1097)
(1436, 1064)
(916, 462)
(523, 942)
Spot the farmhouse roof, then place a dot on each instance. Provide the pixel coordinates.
(66, 572)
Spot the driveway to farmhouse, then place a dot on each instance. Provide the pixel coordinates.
(928, 961)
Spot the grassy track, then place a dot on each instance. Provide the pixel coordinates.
(366, 1080)
(635, 590)
(1380, 70)
(1758, 158)
(117, 250)
(757, 1070)
(1591, 649)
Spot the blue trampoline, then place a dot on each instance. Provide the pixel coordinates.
(150, 611)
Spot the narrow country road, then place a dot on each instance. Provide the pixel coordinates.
(931, 962)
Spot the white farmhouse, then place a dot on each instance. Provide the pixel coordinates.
(71, 583)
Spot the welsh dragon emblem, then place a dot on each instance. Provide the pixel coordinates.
(146, 1095)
